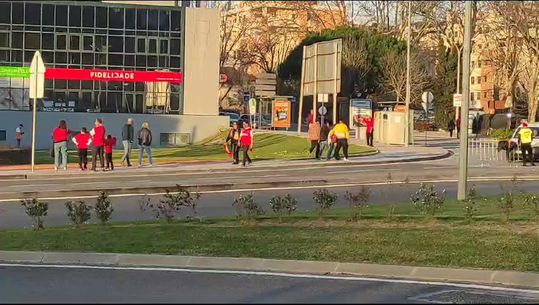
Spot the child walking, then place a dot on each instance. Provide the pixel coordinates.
(110, 142)
(82, 141)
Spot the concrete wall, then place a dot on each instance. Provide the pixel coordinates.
(201, 61)
(200, 127)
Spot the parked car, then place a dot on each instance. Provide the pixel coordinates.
(255, 119)
(234, 117)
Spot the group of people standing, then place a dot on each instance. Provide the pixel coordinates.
(101, 145)
(332, 138)
(240, 139)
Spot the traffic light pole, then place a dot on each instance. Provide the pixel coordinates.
(463, 164)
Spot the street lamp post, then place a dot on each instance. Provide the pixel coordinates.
(463, 164)
(407, 120)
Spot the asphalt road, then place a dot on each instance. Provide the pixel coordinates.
(78, 285)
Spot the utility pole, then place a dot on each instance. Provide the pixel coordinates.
(463, 164)
(409, 38)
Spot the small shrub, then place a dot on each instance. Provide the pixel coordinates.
(532, 201)
(470, 206)
(246, 207)
(427, 200)
(171, 205)
(36, 210)
(103, 208)
(501, 134)
(358, 202)
(281, 205)
(507, 204)
(78, 212)
(144, 204)
(324, 200)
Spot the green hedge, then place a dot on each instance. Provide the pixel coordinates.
(501, 134)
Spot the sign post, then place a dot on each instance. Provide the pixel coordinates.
(37, 88)
(427, 97)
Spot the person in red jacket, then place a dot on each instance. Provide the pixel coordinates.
(369, 123)
(110, 142)
(246, 142)
(98, 142)
(59, 136)
(82, 141)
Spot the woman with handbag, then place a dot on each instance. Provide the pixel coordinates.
(59, 136)
(233, 137)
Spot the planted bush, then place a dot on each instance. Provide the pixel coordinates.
(324, 200)
(358, 202)
(171, 205)
(532, 201)
(78, 212)
(427, 200)
(246, 207)
(470, 204)
(37, 210)
(281, 205)
(103, 208)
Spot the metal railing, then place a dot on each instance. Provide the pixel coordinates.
(485, 152)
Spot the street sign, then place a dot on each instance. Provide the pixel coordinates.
(252, 106)
(266, 84)
(37, 76)
(457, 100)
(223, 78)
(427, 97)
(246, 97)
(323, 97)
(14, 72)
(322, 110)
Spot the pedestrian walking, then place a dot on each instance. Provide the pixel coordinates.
(246, 142)
(314, 137)
(60, 136)
(98, 143)
(324, 138)
(145, 144)
(82, 141)
(233, 137)
(369, 123)
(525, 139)
(128, 136)
(110, 142)
(458, 128)
(19, 131)
(342, 134)
(451, 127)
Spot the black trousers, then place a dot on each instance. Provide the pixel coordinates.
(236, 152)
(527, 153)
(108, 157)
(370, 138)
(98, 152)
(341, 143)
(450, 133)
(315, 145)
(83, 158)
(246, 157)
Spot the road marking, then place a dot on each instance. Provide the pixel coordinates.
(279, 274)
(342, 185)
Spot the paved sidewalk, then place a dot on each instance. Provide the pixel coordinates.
(528, 280)
(386, 154)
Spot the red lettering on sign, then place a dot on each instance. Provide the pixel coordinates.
(114, 75)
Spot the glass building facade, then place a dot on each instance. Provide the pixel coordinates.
(92, 35)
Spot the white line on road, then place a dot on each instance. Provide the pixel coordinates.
(280, 274)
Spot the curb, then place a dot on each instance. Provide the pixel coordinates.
(489, 277)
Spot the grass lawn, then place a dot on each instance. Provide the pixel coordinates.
(268, 146)
(407, 239)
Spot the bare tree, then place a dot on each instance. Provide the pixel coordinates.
(356, 65)
(394, 75)
(523, 18)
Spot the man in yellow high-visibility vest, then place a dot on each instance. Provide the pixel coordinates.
(525, 138)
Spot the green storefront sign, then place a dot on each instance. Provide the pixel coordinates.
(15, 72)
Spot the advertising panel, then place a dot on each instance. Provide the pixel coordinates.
(360, 108)
(281, 113)
(113, 75)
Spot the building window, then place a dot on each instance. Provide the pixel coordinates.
(5, 12)
(141, 45)
(473, 80)
(152, 45)
(4, 40)
(32, 41)
(48, 11)
(74, 16)
(17, 13)
(485, 94)
(116, 44)
(479, 64)
(153, 20)
(163, 48)
(88, 43)
(471, 96)
(116, 17)
(175, 21)
(478, 79)
(33, 13)
(88, 16)
(130, 18)
(142, 19)
(101, 17)
(61, 15)
(74, 42)
(473, 64)
(485, 78)
(61, 41)
(130, 45)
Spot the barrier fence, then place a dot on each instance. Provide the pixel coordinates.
(487, 152)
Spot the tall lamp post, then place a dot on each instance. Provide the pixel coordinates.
(407, 120)
(463, 164)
